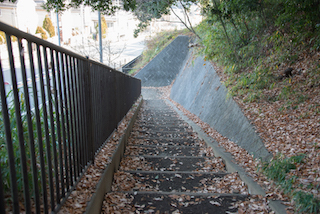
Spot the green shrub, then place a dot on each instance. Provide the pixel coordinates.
(48, 26)
(4, 158)
(42, 32)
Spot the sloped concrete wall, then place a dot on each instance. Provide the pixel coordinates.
(163, 69)
(198, 89)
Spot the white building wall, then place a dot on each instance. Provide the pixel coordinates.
(27, 16)
(8, 14)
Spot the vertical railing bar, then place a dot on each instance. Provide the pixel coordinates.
(46, 126)
(52, 125)
(39, 131)
(91, 76)
(30, 128)
(73, 118)
(95, 105)
(84, 91)
(69, 120)
(93, 79)
(79, 106)
(23, 160)
(77, 145)
(81, 75)
(88, 103)
(76, 108)
(9, 143)
(64, 157)
(58, 116)
(67, 157)
(84, 67)
(100, 105)
(82, 107)
(57, 122)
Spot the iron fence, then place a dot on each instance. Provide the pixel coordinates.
(57, 109)
(129, 66)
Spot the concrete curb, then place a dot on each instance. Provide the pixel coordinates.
(95, 204)
(254, 188)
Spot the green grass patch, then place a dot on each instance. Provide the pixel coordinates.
(278, 169)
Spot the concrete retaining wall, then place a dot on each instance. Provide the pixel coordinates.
(163, 69)
(198, 89)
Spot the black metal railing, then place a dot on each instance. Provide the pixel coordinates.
(130, 65)
(57, 109)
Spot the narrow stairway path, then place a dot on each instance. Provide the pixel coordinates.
(168, 169)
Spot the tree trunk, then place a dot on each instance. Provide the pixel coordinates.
(237, 29)
(226, 33)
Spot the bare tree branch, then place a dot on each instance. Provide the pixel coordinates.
(190, 29)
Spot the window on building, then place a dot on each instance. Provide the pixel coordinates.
(110, 24)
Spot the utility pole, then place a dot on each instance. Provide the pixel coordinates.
(100, 37)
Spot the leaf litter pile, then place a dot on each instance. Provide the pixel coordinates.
(285, 133)
(79, 198)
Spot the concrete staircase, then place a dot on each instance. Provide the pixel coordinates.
(168, 169)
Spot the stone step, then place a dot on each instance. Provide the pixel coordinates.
(160, 117)
(164, 151)
(166, 113)
(164, 142)
(186, 203)
(171, 163)
(223, 183)
(162, 124)
(157, 121)
(157, 106)
(168, 138)
(163, 134)
(155, 102)
(150, 202)
(166, 168)
(163, 115)
(162, 128)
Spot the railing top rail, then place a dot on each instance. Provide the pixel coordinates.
(20, 34)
